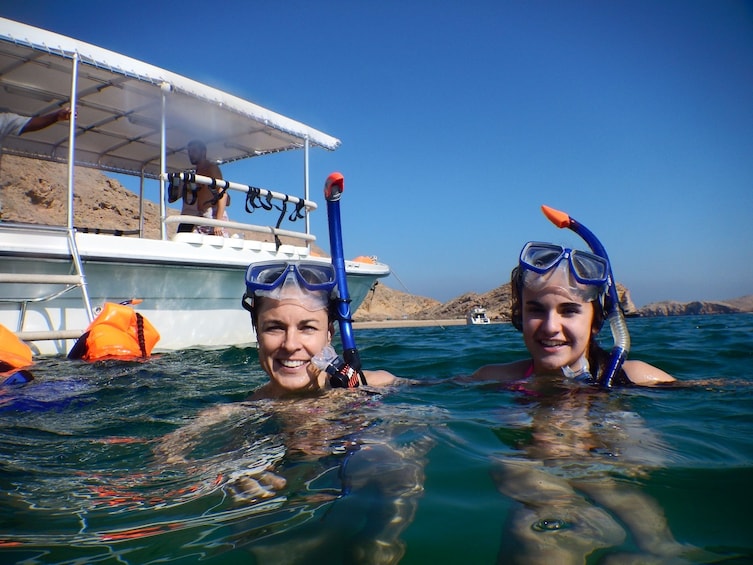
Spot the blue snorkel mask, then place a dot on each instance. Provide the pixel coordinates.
(578, 272)
(309, 283)
(587, 270)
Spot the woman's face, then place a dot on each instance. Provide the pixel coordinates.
(289, 336)
(556, 328)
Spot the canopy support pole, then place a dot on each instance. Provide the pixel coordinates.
(72, 139)
(141, 204)
(306, 183)
(163, 164)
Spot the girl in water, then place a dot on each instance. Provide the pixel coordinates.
(574, 479)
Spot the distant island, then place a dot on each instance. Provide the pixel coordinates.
(34, 191)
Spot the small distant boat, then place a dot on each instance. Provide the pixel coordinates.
(477, 317)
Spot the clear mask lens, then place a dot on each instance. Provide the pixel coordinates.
(309, 284)
(291, 290)
(560, 278)
(580, 273)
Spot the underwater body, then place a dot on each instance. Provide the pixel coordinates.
(432, 471)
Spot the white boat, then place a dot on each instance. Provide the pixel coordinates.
(477, 316)
(134, 118)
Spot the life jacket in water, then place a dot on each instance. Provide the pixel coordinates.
(14, 355)
(117, 332)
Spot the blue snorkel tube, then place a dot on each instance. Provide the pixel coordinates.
(333, 189)
(615, 317)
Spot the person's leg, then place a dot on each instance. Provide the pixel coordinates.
(553, 523)
(641, 514)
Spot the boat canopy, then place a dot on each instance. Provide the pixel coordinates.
(121, 103)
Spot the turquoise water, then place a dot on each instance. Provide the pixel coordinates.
(412, 471)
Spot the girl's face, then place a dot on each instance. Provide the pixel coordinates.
(289, 336)
(556, 328)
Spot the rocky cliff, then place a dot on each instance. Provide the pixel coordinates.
(672, 308)
(385, 303)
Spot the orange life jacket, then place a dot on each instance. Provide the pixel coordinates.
(14, 353)
(117, 332)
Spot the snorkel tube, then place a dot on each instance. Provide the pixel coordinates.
(333, 189)
(615, 316)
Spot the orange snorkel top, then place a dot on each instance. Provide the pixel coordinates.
(558, 218)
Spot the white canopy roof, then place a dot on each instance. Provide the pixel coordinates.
(119, 108)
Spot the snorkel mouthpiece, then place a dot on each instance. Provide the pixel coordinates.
(615, 317)
(341, 375)
(580, 374)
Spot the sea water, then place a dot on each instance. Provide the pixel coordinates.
(95, 467)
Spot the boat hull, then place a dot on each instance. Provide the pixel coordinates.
(190, 288)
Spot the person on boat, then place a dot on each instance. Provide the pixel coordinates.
(205, 202)
(578, 437)
(15, 124)
(324, 424)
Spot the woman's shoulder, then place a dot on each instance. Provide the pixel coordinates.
(380, 377)
(644, 374)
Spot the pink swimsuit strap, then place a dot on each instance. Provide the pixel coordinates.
(520, 385)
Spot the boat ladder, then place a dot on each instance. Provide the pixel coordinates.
(77, 280)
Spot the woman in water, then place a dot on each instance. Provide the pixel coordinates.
(322, 428)
(293, 312)
(574, 476)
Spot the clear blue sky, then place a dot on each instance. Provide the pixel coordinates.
(459, 119)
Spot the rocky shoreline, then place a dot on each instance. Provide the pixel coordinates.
(35, 192)
(388, 305)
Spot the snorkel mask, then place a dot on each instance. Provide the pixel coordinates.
(578, 273)
(310, 284)
(587, 275)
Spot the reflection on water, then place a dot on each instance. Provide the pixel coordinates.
(576, 477)
(434, 472)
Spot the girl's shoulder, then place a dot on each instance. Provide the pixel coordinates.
(501, 372)
(644, 374)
